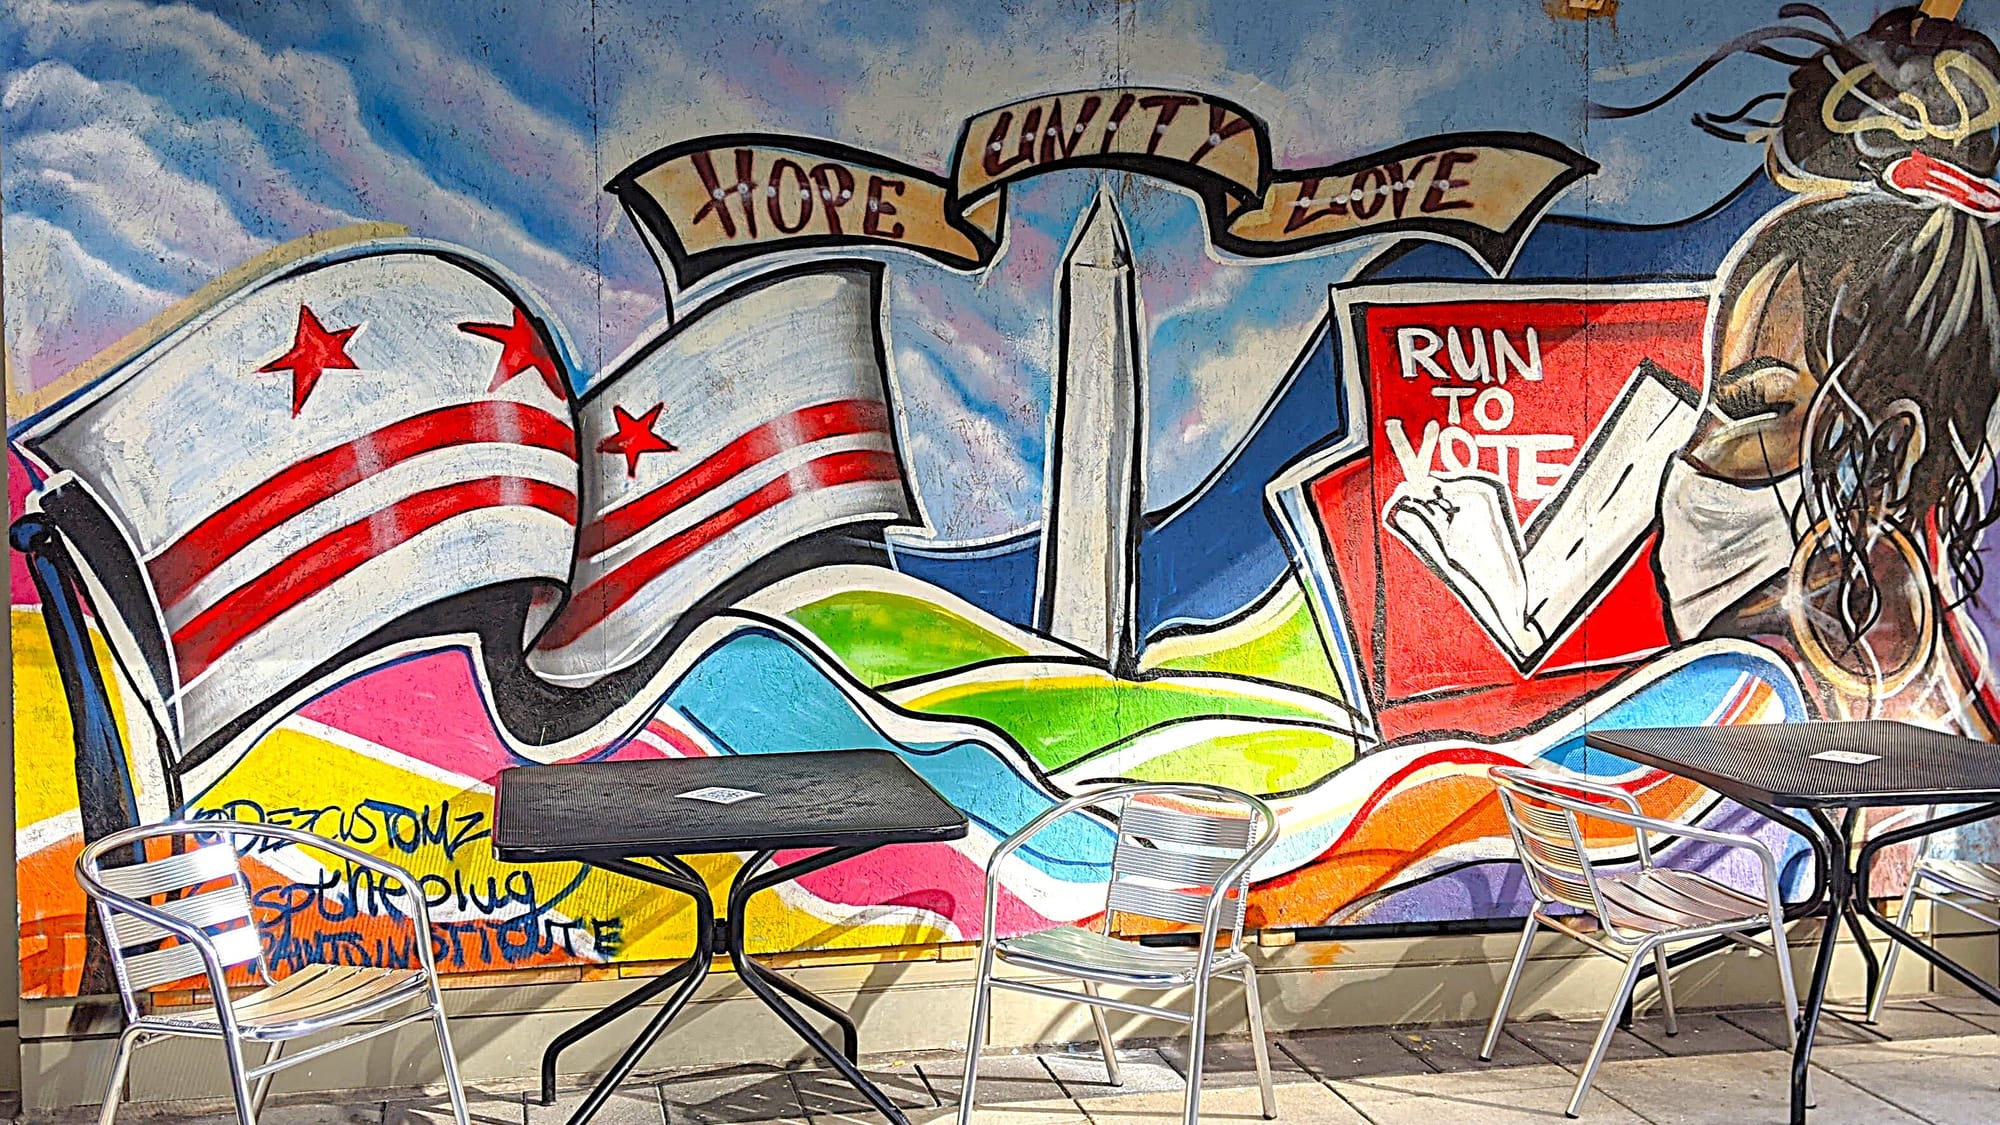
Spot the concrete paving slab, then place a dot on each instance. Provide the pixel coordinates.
(1309, 1104)
(747, 1094)
(1909, 1050)
(1144, 1071)
(1466, 1083)
(822, 1090)
(482, 1108)
(1768, 1024)
(1751, 1089)
(1229, 1063)
(1702, 1033)
(1943, 1088)
(1061, 1111)
(1003, 1080)
(1569, 1041)
(1908, 1019)
(1482, 1097)
(1350, 1054)
(1973, 1009)
(304, 1113)
(635, 1104)
(1457, 1048)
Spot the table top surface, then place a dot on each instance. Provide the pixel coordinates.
(657, 807)
(1787, 764)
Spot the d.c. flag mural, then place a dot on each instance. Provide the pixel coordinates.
(1302, 400)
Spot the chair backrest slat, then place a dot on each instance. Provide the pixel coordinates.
(173, 873)
(1553, 856)
(202, 886)
(1550, 842)
(1164, 903)
(175, 962)
(1170, 857)
(1169, 865)
(1192, 827)
(209, 909)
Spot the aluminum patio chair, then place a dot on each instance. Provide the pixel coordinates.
(1637, 912)
(1942, 882)
(1183, 854)
(188, 914)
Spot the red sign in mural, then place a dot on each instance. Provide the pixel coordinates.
(1499, 523)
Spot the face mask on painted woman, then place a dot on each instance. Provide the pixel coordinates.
(1719, 540)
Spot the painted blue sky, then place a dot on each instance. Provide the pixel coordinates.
(150, 148)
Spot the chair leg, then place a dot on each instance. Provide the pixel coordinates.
(1258, 1047)
(1783, 953)
(453, 1086)
(976, 1035)
(1103, 1037)
(1666, 990)
(1604, 1032)
(1197, 1044)
(238, 1082)
(1895, 949)
(120, 1063)
(1507, 989)
(263, 1088)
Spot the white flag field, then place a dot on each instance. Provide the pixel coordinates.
(378, 450)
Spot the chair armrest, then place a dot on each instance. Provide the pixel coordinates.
(1773, 896)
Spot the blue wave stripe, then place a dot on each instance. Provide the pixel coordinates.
(758, 692)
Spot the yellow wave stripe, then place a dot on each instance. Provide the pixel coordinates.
(44, 750)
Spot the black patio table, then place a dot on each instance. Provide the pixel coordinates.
(613, 815)
(1819, 768)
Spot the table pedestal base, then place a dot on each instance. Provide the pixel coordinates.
(712, 936)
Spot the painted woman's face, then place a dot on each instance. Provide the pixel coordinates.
(1752, 429)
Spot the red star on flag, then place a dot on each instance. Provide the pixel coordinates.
(315, 351)
(635, 437)
(521, 348)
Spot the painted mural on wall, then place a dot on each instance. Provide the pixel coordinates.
(1050, 397)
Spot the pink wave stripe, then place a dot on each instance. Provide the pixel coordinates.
(429, 708)
(932, 877)
(20, 587)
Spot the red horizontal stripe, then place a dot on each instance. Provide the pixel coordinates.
(603, 597)
(828, 419)
(319, 564)
(176, 570)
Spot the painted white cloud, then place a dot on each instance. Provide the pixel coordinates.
(1620, 171)
(63, 305)
(53, 97)
(1203, 415)
(970, 473)
(312, 103)
(106, 179)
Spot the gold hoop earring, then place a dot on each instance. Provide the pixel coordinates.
(1815, 550)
